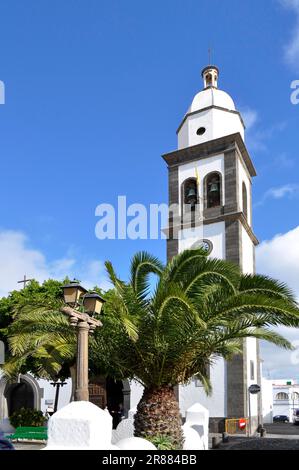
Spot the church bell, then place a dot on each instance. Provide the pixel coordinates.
(191, 196)
(213, 187)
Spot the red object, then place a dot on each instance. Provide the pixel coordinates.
(242, 424)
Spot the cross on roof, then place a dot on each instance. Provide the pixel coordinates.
(24, 281)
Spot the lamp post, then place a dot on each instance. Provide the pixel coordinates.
(56, 384)
(76, 299)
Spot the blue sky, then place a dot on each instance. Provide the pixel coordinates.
(95, 91)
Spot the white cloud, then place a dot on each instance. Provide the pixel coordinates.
(292, 48)
(282, 191)
(18, 258)
(287, 190)
(257, 136)
(279, 363)
(279, 258)
(284, 161)
(250, 117)
(257, 139)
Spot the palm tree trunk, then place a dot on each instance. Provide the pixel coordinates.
(158, 414)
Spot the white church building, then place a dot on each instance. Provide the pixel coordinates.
(280, 398)
(212, 168)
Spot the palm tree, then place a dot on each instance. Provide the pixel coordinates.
(200, 309)
(40, 339)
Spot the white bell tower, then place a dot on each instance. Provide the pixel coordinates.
(212, 167)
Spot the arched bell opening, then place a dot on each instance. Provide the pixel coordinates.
(213, 190)
(244, 200)
(190, 200)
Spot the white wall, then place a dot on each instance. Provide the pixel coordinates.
(213, 232)
(193, 392)
(244, 177)
(136, 393)
(273, 406)
(251, 343)
(49, 394)
(217, 122)
(267, 400)
(283, 407)
(251, 347)
(247, 253)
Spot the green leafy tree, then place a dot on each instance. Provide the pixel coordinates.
(23, 320)
(39, 336)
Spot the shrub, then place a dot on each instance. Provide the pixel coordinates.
(162, 442)
(27, 417)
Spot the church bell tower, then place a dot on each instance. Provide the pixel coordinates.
(212, 168)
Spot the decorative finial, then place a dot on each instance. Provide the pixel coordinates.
(210, 76)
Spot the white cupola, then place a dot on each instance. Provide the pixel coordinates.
(212, 114)
(210, 76)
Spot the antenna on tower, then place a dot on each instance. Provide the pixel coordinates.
(210, 55)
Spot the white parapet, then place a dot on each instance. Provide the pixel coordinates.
(197, 418)
(135, 443)
(124, 430)
(192, 440)
(80, 425)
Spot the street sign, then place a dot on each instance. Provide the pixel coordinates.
(242, 424)
(254, 388)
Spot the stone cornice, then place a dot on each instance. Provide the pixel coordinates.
(177, 225)
(206, 109)
(208, 149)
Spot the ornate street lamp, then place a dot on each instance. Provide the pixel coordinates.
(72, 293)
(80, 315)
(93, 303)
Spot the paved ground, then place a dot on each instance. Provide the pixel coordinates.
(252, 443)
(28, 446)
(283, 429)
(279, 436)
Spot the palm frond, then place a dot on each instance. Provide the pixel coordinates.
(142, 265)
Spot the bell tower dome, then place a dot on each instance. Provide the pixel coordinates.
(212, 113)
